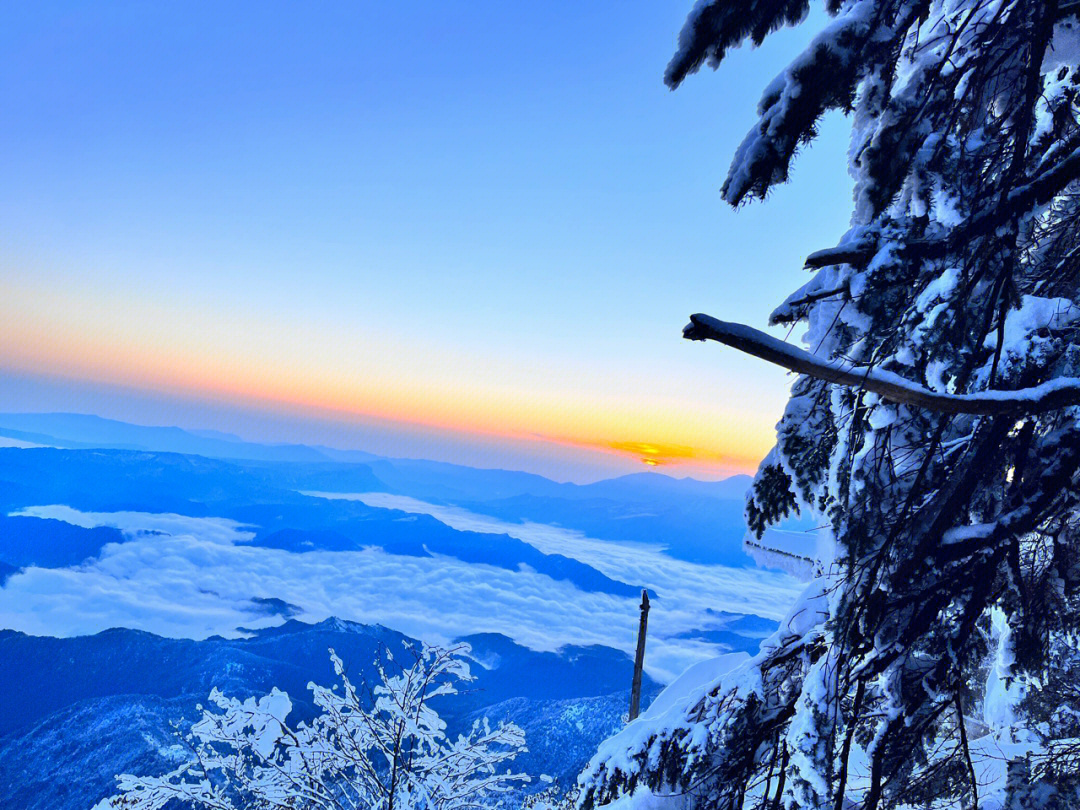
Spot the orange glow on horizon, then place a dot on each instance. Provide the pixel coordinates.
(658, 454)
(284, 372)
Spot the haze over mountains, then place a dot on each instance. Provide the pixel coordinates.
(74, 431)
(697, 520)
(100, 530)
(139, 566)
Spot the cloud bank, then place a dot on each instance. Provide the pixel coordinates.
(194, 577)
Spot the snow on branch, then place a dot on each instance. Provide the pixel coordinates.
(844, 254)
(1060, 393)
(1038, 191)
(380, 751)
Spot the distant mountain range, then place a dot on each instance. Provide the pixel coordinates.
(81, 709)
(699, 521)
(92, 706)
(64, 510)
(264, 497)
(424, 478)
(83, 431)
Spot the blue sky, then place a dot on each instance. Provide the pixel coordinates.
(454, 230)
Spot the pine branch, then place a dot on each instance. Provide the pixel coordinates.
(1038, 191)
(1049, 396)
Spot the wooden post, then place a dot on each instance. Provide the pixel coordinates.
(639, 659)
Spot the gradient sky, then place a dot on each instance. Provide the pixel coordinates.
(464, 231)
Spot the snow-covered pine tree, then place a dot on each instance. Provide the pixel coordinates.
(934, 424)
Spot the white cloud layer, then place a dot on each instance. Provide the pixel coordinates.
(194, 577)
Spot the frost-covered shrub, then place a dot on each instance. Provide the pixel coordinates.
(376, 750)
(553, 797)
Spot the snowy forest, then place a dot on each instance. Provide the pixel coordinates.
(931, 437)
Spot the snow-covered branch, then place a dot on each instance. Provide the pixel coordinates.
(392, 755)
(842, 254)
(1049, 396)
(1038, 191)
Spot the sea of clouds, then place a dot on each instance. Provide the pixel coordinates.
(195, 577)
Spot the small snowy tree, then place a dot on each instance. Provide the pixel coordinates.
(380, 751)
(934, 424)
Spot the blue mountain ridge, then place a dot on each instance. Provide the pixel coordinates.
(92, 706)
(697, 521)
(264, 498)
(423, 478)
